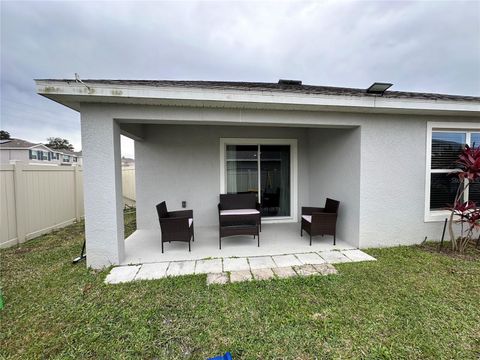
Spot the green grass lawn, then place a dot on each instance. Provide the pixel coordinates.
(410, 304)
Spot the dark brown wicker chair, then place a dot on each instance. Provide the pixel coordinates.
(239, 214)
(320, 221)
(175, 225)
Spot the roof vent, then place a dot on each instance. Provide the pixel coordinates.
(289, 82)
(378, 88)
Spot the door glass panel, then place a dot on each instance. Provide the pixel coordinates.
(275, 180)
(242, 169)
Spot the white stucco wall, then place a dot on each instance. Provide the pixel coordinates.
(176, 163)
(392, 196)
(334, 166)
(102, 184)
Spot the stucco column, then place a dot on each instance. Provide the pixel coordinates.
(102, 185)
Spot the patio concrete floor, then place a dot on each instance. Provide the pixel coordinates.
(144, 246)
(223, 270)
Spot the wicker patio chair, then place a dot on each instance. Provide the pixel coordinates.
(320, 221)
(175, 225)
(239, 214)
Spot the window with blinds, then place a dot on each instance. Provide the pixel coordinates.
(446, 146)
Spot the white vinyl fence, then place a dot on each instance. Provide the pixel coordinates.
(36, 199)
(128, 184)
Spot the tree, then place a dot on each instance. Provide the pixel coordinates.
(4, 135)
(467, 213)
(57, 143)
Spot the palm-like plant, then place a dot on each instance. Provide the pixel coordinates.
(465, 213)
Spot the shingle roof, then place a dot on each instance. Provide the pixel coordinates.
(262, 86)
(69, 152)
(16, 143)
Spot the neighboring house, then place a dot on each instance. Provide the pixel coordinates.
(386, 156)
(128, 162)
(18, 150)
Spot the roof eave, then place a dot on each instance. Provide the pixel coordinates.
(73, 94)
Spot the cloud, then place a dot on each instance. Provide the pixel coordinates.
(419, 46)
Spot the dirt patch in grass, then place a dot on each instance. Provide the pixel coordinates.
(472, 253)
(22, 250)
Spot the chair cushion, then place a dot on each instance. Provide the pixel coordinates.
(307, 218)
(190, 222)
(240, 212)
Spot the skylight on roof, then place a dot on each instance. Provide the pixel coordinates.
(378, 88)
(289, 82)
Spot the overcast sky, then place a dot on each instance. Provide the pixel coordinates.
(429, 46)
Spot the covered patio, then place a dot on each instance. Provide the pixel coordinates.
(185, 164)
(143, 246)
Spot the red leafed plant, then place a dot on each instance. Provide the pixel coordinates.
(465, 213)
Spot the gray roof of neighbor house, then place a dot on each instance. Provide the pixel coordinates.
(263, 86)
(16, 143)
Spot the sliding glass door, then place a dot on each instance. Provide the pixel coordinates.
(275, 180)
(263, 170)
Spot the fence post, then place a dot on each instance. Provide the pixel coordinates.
(78, 195)
(20, 203)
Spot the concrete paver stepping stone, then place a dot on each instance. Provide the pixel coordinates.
(325, 269)
(310, 258)
(242, 275)
(261, 262)
(334, 257)
(152, 271)
(305, 270)
(178, 268)
(286, 260)
(357, 255)
(284, 272)
(217, 278)
(235, 264)
(209, 266)
(121, 274)
(262, 274)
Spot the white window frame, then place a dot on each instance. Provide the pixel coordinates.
(460, 127)
(293, 171)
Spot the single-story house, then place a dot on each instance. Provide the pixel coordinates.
(385, 155)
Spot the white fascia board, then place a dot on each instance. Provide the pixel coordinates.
(41, 146)
(64, 93)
